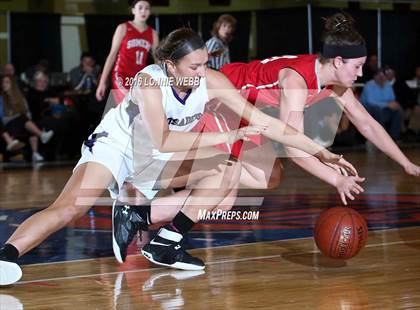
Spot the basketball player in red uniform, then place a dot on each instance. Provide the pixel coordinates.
(296, 82)
(131, 44)
(111, 156)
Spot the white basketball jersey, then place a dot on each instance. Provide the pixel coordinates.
(127, 148)
(181, 114)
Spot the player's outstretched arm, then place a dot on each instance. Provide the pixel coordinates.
(372, 130)
(154, 119)
(346, 186)
(221, 88)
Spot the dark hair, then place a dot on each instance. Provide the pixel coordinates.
(340, 31)
(86, 54)
(223, 19)
(179, 43)
(132, 3)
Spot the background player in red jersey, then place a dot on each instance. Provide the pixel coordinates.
(295, 82)
(131, 44)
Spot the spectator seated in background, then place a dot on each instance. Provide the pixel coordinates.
(401, 90)
(43, 102)
(84, 82)
(41, 66)
(84, 77)
(16, 117)
(9, 70)
(12, 144)
(378, 97)
(49, 111)
(217, 45)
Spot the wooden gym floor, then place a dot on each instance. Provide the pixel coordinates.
(271, 263)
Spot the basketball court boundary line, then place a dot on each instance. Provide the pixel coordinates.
(212, 247)
(209, 263)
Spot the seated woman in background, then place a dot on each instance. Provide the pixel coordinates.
(12, 144)
(17, 119)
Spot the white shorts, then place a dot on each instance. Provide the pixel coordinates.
(112, 147)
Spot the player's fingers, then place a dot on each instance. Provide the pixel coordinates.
(359, 188)
(343, 198)
(348, 194)
(344, 172)
(348, 166)
(360, 179)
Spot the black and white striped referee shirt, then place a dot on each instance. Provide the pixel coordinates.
(215, 44)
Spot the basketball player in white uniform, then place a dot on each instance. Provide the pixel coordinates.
(134, 143)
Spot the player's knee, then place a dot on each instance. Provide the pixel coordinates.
(68, 211)
(71, 213)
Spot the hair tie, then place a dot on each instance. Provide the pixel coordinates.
(340, 23)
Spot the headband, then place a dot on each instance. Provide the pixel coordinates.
(345, 51)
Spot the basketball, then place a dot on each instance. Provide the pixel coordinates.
(340, 232)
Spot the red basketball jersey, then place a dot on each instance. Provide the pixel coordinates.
(132, 55)
(258, 80)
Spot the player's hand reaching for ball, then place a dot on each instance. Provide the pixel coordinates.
(412, 169)
(347, 186)
(336, 162)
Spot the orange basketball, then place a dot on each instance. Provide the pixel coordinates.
(340, 232)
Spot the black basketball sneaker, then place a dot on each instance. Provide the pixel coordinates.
(166, 249)
(126, 222)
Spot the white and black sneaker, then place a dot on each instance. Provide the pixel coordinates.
(167, 250)
(126, 222)
(10, 272)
